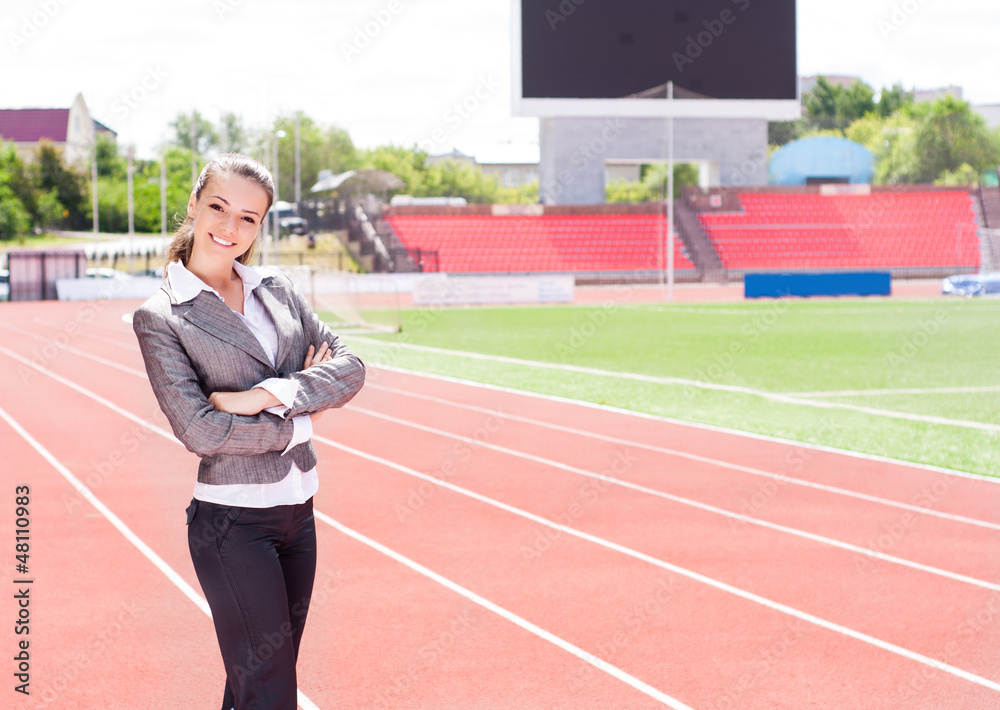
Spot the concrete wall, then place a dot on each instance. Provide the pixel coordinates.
(574, 151)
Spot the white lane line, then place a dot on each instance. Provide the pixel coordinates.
(124, 345)
(681, 454)
(697, 577)
(682, 422)
(958, 672)
(889, 392)
(688, 502)
(776, 397)
(510, 616)
(703, 459)
(87, 393)
(120, 525)
(303, 700)
(76, 351)
(117, 522)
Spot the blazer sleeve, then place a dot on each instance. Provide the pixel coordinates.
(198, 425)
(332, 383)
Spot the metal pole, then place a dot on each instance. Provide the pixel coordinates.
(93, 180)
(298, 160)
(131, 207)
(267, 221)
(194, 156)
(277, 227)
(163, 195)
(670, 192)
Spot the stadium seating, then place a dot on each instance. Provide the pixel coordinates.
(543, 243)
(883, 230)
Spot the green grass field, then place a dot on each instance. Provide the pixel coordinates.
(913, 380)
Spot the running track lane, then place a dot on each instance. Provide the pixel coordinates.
(156, 468)
(437, 385)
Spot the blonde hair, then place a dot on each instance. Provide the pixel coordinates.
(224, 165)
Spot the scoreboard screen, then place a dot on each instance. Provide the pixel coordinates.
(723, 57)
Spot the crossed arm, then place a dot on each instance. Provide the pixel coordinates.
(256, 400)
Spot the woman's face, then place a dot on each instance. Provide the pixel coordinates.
(227, 217)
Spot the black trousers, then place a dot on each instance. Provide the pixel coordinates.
(256, 567)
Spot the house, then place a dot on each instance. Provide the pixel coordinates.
(72, 129)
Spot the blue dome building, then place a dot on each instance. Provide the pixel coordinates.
(823, 159)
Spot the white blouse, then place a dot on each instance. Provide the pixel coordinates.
(297, 487)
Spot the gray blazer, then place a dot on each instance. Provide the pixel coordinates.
(198, 347)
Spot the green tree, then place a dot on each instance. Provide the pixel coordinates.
(49, 211)
(110, 163)
(194, 132)
(408, 164)
(320, 148)
(233, 136)
(15, 174)
(14, 218)
(949, 135)
(653, 184)
(822, 101)
(893, 99)
(51, 174)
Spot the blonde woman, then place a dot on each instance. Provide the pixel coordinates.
(241, 367)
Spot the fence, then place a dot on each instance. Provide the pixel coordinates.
(33, 274)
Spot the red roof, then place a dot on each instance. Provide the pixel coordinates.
(29, 125)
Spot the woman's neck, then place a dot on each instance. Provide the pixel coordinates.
(218, 275)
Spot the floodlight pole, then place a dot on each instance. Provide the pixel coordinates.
(163, 194)
(93, 181)
(131, 208)
(670, 191)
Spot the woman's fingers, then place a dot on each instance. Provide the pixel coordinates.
(315, 357)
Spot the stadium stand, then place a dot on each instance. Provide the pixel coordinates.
(904, 230)
(487, 243)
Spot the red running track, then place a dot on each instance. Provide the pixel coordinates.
(482, 548)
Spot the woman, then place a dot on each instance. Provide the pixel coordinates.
(241, 367)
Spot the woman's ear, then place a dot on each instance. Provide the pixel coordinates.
(191, 203)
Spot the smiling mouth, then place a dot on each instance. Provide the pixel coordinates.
(221, 241)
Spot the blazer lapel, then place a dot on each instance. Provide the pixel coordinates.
(283, 323)
(218, 320)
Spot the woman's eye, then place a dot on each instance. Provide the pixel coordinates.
(216, 207)
(250, 220)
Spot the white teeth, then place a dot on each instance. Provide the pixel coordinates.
(222, 242)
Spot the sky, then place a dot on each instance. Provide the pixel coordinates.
(393, 71)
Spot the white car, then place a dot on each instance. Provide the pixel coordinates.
(4, 285)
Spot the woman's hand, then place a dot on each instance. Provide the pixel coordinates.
(315, 357)
(249, 402)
